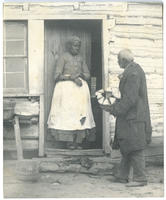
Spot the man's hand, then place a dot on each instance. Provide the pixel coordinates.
(78, 82)
(148, 140)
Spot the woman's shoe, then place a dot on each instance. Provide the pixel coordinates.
(71, 146)
(79, 147)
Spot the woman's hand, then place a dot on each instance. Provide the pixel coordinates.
(78, 82)
(74, 76)
(64, 78)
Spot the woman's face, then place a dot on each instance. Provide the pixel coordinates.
(75, 47)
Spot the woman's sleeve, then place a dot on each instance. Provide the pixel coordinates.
(85, 71)
(59, 68)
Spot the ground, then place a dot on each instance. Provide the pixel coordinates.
(79, 185)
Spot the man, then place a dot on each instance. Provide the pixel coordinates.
(133, 124)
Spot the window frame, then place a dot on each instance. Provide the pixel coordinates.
(25, 56)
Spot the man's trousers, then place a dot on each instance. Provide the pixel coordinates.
(135, 159)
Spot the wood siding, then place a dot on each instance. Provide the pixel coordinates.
(137, 26)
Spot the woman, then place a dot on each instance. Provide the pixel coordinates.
(71, 115)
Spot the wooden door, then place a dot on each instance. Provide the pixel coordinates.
(56, 35)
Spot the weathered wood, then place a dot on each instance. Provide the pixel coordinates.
(146, 9)
(41, 127)
(150, 65)
(28, 131)
(55, 16)
(24, 120)
(154, 81)
(106, 135)
(156, 108)
(88, 152)
(145, 6)
(139, 20)
(104, 6)
(144, 29)
(26, 108)
(148, 36)
(18, 138)
(138, 26)
(140, 52)
(20, 95)
(36, 55)
(143, 42)
(10, 145)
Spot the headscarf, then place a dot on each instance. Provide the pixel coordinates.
(71, 40)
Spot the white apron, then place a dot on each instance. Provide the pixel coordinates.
(70, 104)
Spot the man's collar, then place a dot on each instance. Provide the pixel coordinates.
(128, 65)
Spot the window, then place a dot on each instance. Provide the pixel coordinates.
(15, 57)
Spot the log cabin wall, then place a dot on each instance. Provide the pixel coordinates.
(137, 26)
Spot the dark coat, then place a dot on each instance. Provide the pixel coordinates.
(133, 124)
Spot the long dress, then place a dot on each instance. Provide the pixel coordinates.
(71, 112)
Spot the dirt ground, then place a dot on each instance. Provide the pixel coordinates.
(69, 185)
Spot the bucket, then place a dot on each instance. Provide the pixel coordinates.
(27, 170)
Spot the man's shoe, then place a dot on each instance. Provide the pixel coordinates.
(136, 184)
(119, 180)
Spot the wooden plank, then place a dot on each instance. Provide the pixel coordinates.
(143, 13)
(142, 42)
(24, 120)
(149, 65)
(137, 49)
(41, 127)
(140, 52)
(158, 97)
(20, 95)
(105, 84)
(139, 20)
(145, 6)
(89, 152)
(36, 55)
(118, 9)
(28, 131)
(10, 145)
(155, 81)
(148, 36)
(148, 29)
(55, 16)
(103, 6)
(156, 108)
(18, 138)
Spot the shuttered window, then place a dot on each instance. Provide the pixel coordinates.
(15, 64)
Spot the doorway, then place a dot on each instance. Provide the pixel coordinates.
(57, 33)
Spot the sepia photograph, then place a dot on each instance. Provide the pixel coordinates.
(83, 99)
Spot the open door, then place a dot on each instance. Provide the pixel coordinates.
(57, 33)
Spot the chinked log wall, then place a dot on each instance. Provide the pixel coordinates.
(137, 26)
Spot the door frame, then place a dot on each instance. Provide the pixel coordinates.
(105, 75)
(105, 39)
